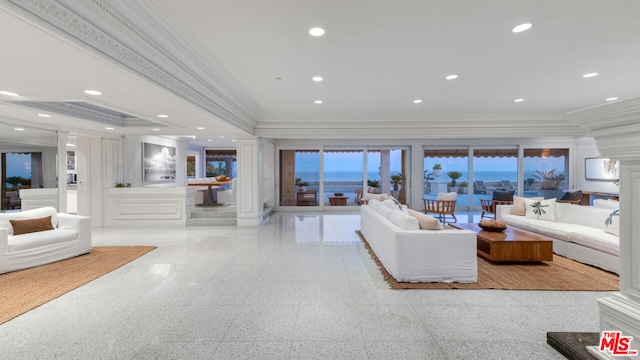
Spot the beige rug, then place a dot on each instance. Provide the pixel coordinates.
(559, 274)
(21, 291)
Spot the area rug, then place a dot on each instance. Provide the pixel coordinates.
(559, 274)
(24, 290)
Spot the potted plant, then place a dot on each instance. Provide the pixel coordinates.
(300, 184)
(454, 175)
(464, 187)
(549, 182)
(437, 170)
(396, 180)
(528, 183)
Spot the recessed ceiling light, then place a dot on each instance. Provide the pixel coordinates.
(221, 137)
(209, 140)
(451, 77)
(9, 93)
(234, 140)
(18, 129)
(417, 101)
(318, 102)
(155, 129)
(518, 100)
(71, 145)
(92, 92)
(317, 78)
(108, 128)
(590, 75)
(200, 128)
(44, 115)
(521, 27)
(163, 116)
(611, 99)
(316, 31)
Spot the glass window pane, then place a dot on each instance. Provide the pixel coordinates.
(299, 177)
(446, 170)
(343, 174)
(545, 172)
(494, 170)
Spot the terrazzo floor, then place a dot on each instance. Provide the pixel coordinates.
(300, 287)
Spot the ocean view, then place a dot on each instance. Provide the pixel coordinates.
(374, 175)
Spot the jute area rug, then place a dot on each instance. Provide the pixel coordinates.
(559, 274)
(24, 290)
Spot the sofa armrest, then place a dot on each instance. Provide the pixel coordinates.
(78, 223)
(4, 241)
(502, 210)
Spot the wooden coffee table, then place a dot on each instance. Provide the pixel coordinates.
(511, 244)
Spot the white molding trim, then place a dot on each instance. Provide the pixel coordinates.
(130, 34)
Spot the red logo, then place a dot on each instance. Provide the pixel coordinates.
(616, 344)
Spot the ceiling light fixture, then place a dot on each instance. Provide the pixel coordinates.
(163, 116)
(9, 93)
(156, 129)
(316, 31)
(71, 145)
(318, 102)
(221, 137)
(234, 140)
(200, 128)
(590, 75)
(18, 129)
(209, 140)
(44, 115)
(417, 101)
(451, 77)
(521, 28)
(93, 92)
(317, 78)
(611, 99)
(518, 100)
(108, 128)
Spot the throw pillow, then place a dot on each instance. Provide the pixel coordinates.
(374, 203)
(541, 209)
(425, 221)
(518, 205)
(404, 221)
(31, 225)
(571, 196)
(503, 195)
(612, 224)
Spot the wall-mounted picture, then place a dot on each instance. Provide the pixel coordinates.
(158, 163)
(602, 169)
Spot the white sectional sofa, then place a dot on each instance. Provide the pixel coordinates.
(413, 255)
(71, 236)
(578, 232)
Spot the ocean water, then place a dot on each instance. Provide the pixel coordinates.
(374, 175)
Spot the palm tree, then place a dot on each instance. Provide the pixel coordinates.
(454, 175)
(538, 209)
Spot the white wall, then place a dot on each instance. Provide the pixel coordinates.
(133, 160)
(587, 148)
(269, 174)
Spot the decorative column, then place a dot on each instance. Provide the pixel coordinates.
(616, 129)
(249, 192)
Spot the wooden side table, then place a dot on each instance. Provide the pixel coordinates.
(338, 200)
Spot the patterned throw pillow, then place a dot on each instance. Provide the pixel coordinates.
(540, 209)
(31, 225)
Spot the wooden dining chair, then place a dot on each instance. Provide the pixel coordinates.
(444, 205)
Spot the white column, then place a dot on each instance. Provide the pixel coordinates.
(385, 171)
(616, 129)
(249, 193)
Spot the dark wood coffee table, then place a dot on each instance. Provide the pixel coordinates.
(511, 244)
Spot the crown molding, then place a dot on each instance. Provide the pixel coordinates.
(615, 126)
(145, 39)
(416, 126)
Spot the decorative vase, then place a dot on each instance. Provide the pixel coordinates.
(437, 174)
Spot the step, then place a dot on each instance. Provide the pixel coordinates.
(212, 222)
(213, 214)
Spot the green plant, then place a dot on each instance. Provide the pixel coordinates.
(299, 182)
(538, 209)
(15, 180)
(464, 184)
(454, 175)
(373, 183)
(121, 185)
(529, 181)
(437, 167)
(549, 180)
(428, 176)
(396, 179)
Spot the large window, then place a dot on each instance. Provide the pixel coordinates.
(494, 170)
(447, 170)
(19, 171)
(545, 172)
(221, 162)
(299, 172)
(343, 174)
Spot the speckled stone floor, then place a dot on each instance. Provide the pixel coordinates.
(300, 287)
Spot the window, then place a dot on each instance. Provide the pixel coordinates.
(447, 170)
(299, 171)
(221, 162)
(494, 170)
(545, 172)
(343, 174)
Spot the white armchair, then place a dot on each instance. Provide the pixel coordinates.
(227, 197)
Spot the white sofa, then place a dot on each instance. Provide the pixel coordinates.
(578, 233)
(71, 236)
(413, 255)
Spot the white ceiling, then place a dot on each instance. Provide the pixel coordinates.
(377, 57)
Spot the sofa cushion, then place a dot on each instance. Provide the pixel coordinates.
(374, 203)
(31, 225)
(606, 204)
(426, 222)
(40, 239)
(547, 209)
(517, 221)
(28, 214)
(385, 211)
(585, 215)
(368, 196)
(556, 230)
(404, 221)
(518, 205)
(596, 239)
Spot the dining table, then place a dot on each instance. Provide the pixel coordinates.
(212, 190)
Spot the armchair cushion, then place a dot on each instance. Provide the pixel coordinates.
(31, 225)
(27, 214)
